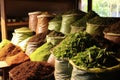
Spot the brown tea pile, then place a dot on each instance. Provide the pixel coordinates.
(39, 37)
(17, 59)
(32, 71)
(9, 50)
(35, 42)
(114, 28)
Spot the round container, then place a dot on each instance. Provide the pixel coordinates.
(112, 37)
(33, 20)
(42, 25)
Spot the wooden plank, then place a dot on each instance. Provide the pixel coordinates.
(3, 20)
(17, 24)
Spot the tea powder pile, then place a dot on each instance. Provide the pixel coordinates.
(32, 71)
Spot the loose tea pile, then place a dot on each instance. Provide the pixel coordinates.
(68, 18)
(9, 50)
(42, 53)
(55, 37)
(38, 37)
(82, 21)
(102, 20)
(21, 34)
(94, 57)
(114, 28)
(55, 23)
(106, 44)
(3, 43)
(35, 42)
(17, 59)
(74, 11)
(55, 34)
(73, 44)
(32, 71)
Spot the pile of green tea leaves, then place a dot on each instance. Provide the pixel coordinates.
(55, 34)
(72, 44)
(102, 20)
(56, 18)
(42, 53)
(74, 11)
(82, 22)
(55, 23)
(95, 57)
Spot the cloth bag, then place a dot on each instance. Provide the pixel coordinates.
(63, 69)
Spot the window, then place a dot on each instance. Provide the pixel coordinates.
(84, 5)
(105, 8)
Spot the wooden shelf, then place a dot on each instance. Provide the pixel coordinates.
(73, 4)
(13, 25)
(17, 24)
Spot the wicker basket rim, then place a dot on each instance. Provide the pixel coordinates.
(97, 70)
(111, 34)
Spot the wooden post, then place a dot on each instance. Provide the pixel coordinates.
(76, 4)
(89, 5)
(3, 20)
